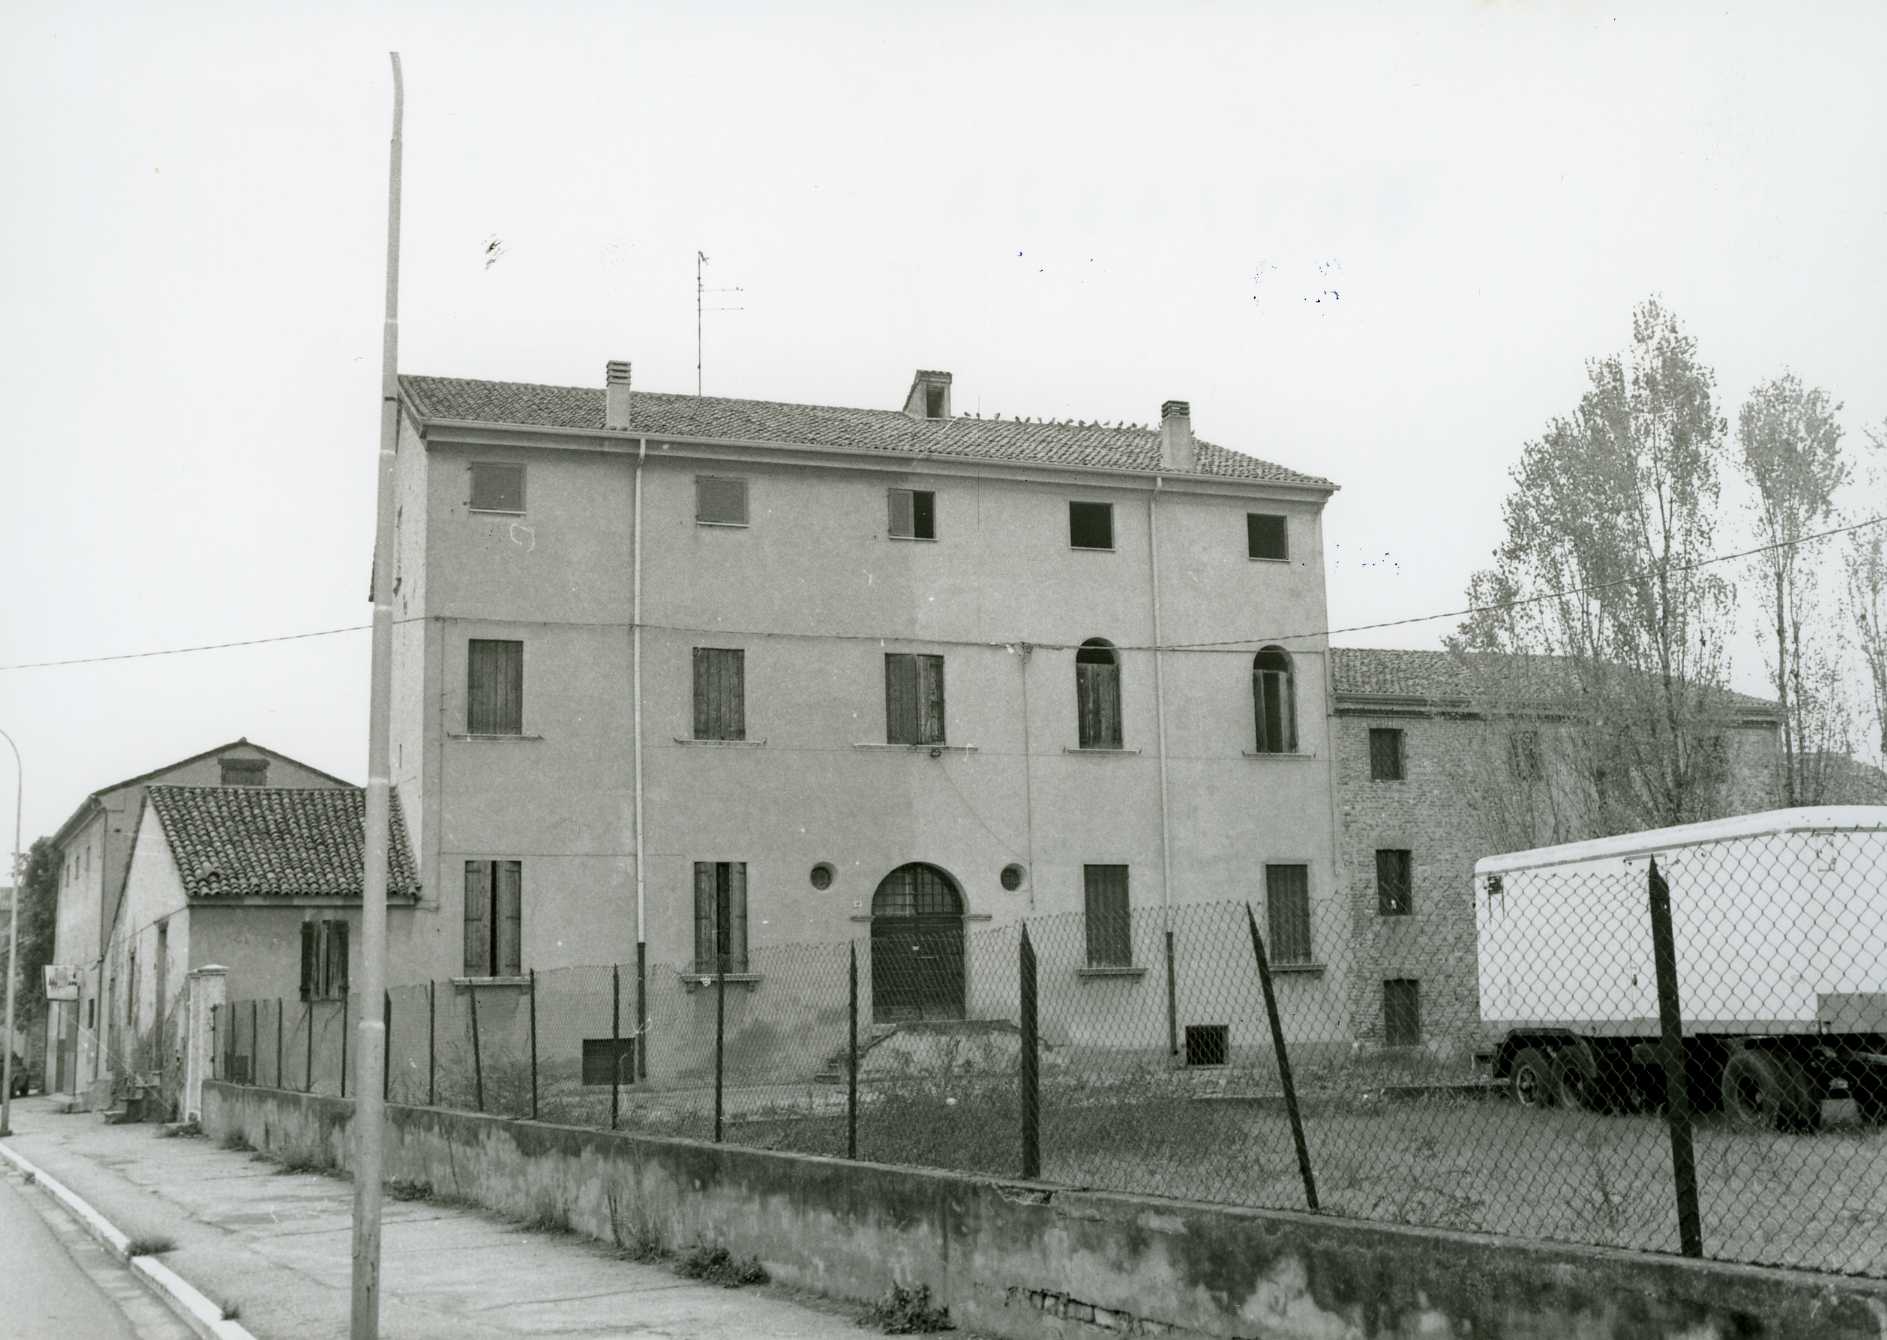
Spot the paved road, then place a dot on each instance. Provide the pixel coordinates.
(56, 1283)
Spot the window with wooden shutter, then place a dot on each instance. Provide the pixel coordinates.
(720, 915)
(309, 986)
(1385, 755)
(477, 934)
(1287, 910)
(1097, 695)
(914, 698)
(497, 487)
(1274, 702)
(336, 938)
(1109, 919)
(508, 956)
(913, 514)
(1395, 895)
(720, 693)
(720, 501)
(494, 703)
(494, 918)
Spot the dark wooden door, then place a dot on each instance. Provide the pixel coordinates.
(916, 946)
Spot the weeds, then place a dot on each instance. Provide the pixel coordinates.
(716, 1265)
(150, 1244)
(302, 1163)
(232, 1311)
(237, 1143)
(406, 1189)
(186, 1130)
(905, 1311)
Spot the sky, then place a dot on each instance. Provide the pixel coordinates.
(1376, 244)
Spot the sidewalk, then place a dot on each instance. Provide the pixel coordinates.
(277, 1246)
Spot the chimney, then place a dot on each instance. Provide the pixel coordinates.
(1176, 445)
(616, 396)
(929, 396)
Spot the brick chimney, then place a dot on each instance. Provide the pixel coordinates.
(616, 395)
(929, 397)
(1176, 444)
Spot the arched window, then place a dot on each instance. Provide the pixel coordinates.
(1097, 694)
(1274, 701)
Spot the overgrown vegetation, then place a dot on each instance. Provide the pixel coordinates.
(150, 1244)
(186, 1130)
(237, 1143)
(716, 1265)
(905, 1311)
(407, 1189)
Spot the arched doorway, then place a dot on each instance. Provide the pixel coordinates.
(916, 946)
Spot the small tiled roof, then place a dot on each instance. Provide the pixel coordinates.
(1457, 678)
(891, 431)
(275, 842)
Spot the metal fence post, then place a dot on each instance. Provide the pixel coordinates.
(255, 1037)
(478, 1062)
(308, 1012)
(851, 1066)
(615, 1043)
(344, 1001)
(1284, 1060)
(1031, 1077)
(278, 1044)
(533, 1044)
(642, 1010)
(386, 1051)
(215, 1011)
(432, 1047)
(1671, 1045)
(720, 1029)
(1172, 1000)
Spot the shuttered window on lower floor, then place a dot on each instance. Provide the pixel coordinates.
(494, 918)
(1109, 919)
(720, 916)
(494, 699)
(1287, 911)
(914, 698)
(323, 960)
(1402, 1012)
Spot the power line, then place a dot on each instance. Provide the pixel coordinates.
(1463, 612)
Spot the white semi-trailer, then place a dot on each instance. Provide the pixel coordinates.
(1779, 925)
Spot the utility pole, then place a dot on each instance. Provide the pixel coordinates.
(370, 1073)
(701, 259)
(13, 940)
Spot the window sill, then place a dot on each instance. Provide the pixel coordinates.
(1098, 749)
(1300, 969)
(468, 983)
(916, 748)
(724, 525)
(466, 735)
(495, 511)
(1293, 756)
(1262, 558)
(1389, 779)
(1091, 548)
(1121, 970)
(919, 539)
(720, 744)
(704, 980)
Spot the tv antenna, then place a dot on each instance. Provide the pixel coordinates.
(701, 259)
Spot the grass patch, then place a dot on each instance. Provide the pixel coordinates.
(302, 1163)
(150, 1244)
(716, 1265)
(237, 1143)
(403, 1188)
(232, 1311)
(905, 1311)
(184, 1130)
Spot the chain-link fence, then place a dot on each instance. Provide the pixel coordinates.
(1686, 1054)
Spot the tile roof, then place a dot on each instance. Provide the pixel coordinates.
(1448, 677)
(275, 842)
(887, 430)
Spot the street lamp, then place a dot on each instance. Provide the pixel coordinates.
(13, 941)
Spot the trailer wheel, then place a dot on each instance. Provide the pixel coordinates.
(1764, 1090)
(1533, 1080)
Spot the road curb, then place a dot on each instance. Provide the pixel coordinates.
(173, 1290)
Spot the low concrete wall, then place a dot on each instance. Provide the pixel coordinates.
(1031, 1260)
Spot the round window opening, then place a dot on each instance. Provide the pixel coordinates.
(822, 876)
(1012, 877)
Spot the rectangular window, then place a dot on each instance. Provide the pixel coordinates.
(1091, 525)
(323, 960)
(1395, 896)
(244, 771)
(1265, 536)
(497, 488)
(1385, 755)
(1109, 921)
(720, 693)
(1524, 755)
(1287, 909)
(494, 699)
(1208, 1044)
(914, 698)
(494, 918)
(1097, 698)
(913, 514)
(1402, 1012)
(720, 916)
(720, 501)
(608, 1061)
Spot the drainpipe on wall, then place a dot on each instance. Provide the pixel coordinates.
(635, 639)
(1159, 705)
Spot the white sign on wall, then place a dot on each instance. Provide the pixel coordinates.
(62, 981)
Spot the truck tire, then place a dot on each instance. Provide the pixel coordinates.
(1533, 1079)
(1767, 1090)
